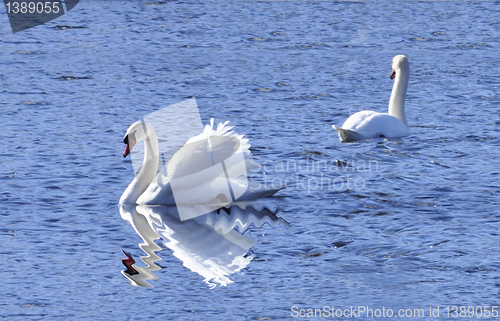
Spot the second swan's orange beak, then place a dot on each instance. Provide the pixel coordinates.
(393, 74)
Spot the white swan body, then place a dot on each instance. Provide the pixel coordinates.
(370, 124)
(192, 178)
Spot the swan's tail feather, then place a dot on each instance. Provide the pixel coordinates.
(221, 130)
(224, 130)
(347, 135)
(222, 125)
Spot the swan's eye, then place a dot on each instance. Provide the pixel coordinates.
(125, 140)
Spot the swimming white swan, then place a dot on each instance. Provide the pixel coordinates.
(368, 124)
(207, 173)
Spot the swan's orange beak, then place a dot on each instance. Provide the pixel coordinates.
(130, 144)
(126, 152)
(128, 264)
(393, 74)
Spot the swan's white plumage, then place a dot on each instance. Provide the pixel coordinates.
(152, 188)
(368, 124)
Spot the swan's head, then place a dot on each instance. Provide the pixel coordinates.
(135, 133)
(399, 63)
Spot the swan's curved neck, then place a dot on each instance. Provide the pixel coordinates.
(148, 169)
(398, 95)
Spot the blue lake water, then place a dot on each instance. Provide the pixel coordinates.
(396, 223)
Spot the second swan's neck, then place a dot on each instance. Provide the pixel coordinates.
(398, 95)
(148, 169)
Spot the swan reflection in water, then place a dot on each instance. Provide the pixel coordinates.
(209, 245)
(192, 190)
